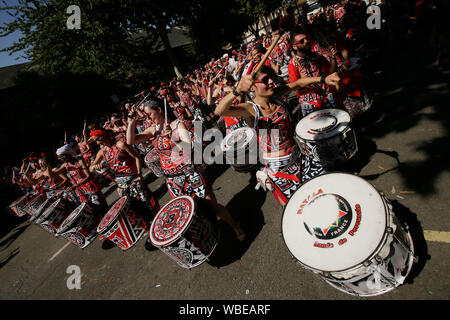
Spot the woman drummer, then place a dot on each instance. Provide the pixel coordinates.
(181, 176)
(127, 169)
(76, 174)
(284, 166)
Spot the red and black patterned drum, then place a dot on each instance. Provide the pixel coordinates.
(19, 205)
(52, 218)
(35, 203)
(122, 225)
(153, 163)
(183, 230)
(80, 227)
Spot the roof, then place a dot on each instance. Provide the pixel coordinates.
(8, 75)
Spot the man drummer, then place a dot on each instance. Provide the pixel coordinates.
(307, 64)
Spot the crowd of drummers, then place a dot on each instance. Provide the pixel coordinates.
(321, 61)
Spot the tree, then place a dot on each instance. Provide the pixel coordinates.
(255, 9)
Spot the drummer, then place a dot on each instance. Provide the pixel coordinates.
(76, 174)
(127, 169)
(181, 176)
(306, 64)
(285, 169)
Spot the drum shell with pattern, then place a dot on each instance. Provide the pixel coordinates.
(365, 251)
(122, 224)
(41, 209)
(152, 161)
(18, 206)
(52, 218)
(334, 144)
(35, 203)
(186, 230)
(80, 227)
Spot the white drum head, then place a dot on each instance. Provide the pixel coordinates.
(322, 124)
(238, 139)
(334, 222)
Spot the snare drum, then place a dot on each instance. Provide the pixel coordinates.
(52, 218)
(18, 206)
(183, 230)
(339, 226)
(80, 227)
(327, 136)
(153, 163)
(240, 149)
(122, 225)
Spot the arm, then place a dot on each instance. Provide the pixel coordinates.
(86, 172)
(136, 158)
(96, 164)
(133, 138)
(331, 80)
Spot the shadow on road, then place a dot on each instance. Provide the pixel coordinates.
(245, 207)
(9, 240)
(11, 255)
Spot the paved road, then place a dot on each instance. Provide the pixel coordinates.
(404, 152)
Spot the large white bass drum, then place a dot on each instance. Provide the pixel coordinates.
(339, 226)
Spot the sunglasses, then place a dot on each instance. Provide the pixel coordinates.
(301, 41)
(264, 80)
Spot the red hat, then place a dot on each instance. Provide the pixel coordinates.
(153, 88)
(98, 132)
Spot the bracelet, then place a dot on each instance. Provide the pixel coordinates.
(322, 79)
(235, 93)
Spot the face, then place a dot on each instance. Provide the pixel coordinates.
(155, 115)
(263, 85)
(301, 43)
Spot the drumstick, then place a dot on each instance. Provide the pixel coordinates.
(165, 110)
(143, 100)
(220, 71)
(65, 136)
(84, 126)
(286, 24)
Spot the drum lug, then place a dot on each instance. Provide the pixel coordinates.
(416, 259)
(389, 230)
(367, 263)
(378, 258)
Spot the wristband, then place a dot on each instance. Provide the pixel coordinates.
(235, 93)
(322, 79)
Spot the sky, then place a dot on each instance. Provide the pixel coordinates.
(5, 58)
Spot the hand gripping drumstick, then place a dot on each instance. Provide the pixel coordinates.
(286, 25)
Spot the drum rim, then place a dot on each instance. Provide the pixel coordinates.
(20, 199)
(78, 211)
(47, 211)
(185, 228)
(40, 210)
(369, 257)
(246, 128)
(33, 200)
(326, 138)
(110, 223)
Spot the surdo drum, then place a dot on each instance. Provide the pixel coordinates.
(153, 163)
(339, 226)
(327, 136)
(35, 203)
(80, 227)
(122, 225)
(186, 230)
(52, 218)
(18, 206)
(240, 149)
